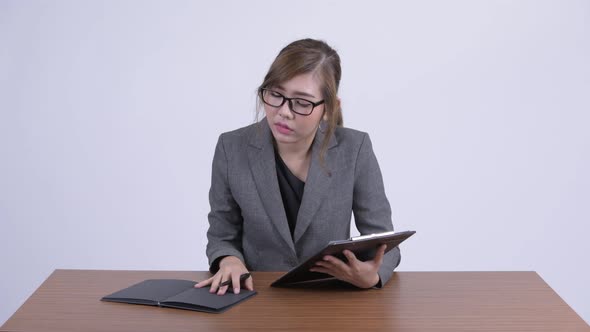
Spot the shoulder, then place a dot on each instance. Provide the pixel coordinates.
(350, 138)
(354, 146)
(240, 133)
(240, 136)
(344, 132)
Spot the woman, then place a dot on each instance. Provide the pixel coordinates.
(282, 188)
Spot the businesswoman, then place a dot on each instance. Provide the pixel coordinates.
(284, 187)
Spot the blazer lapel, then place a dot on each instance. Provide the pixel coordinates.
(317, 185)
(262, 163)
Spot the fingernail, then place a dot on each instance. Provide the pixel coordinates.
(236, 291)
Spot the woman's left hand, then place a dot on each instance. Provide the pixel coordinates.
(359, 273)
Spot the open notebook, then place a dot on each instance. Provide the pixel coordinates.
(176, 293)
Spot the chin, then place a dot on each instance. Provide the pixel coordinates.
(284, 139)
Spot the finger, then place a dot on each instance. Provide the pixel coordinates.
(322, 270)
(324, 264)
(216, 281)
(329, 265)
(328, 268)
(249, 283)
(352, 260)
(336, 263)
(204, 283)
(235, 279)
(227, 276)
(378, 260)
(222, 290)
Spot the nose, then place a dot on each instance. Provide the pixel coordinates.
(285, 110)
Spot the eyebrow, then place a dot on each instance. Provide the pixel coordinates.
(298, 93)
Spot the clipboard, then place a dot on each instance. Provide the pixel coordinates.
(364, 247)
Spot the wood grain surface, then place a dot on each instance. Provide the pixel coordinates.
(69, 300)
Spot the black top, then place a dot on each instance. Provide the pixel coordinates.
(291, 191)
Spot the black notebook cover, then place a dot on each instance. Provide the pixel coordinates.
(363, 247)
(175, 293)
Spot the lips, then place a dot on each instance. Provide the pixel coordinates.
(283, 128)
(280, 124)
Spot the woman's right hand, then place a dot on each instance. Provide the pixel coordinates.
(230, 268)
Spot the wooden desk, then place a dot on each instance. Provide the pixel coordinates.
(412, 301)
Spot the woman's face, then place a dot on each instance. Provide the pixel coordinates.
(291, 128)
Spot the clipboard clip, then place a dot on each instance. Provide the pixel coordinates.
(369, 236)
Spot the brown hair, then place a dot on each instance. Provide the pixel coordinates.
(310, 56)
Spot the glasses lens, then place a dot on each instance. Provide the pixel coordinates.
(272, 98)
(302, 106)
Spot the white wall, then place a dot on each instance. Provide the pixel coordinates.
(109, 113)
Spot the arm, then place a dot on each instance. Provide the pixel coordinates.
(372, 212)
(224, 236)
(225, 221)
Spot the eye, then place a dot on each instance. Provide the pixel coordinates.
(303, 103)
(275, 94)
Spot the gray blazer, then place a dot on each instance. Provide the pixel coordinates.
(247, 217)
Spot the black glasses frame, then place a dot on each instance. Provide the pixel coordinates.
(290, 100)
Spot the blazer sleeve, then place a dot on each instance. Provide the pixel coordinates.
(225, 219)
(372, 212)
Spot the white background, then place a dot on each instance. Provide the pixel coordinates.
(109, 113)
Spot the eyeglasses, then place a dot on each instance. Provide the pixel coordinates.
(296, 105)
